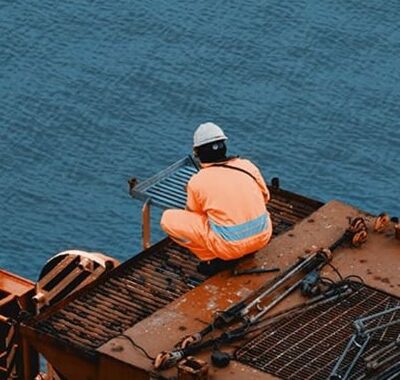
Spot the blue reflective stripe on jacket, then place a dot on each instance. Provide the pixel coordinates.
(241, 231)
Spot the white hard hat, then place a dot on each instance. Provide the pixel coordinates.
(207, 133)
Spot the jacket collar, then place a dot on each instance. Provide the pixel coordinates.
(208, 164)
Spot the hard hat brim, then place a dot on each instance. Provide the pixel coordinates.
(207, 141)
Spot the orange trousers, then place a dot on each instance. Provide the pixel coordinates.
(192, 230)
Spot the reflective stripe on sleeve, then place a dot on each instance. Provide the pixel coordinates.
(241, 231)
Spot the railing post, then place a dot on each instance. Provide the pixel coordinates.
(146, 228)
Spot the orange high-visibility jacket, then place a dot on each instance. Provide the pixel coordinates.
(226, 215)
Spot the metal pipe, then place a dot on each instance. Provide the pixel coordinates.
(383, 350)
(169, 193)
(183, 176)
(173, 184)
(335, 375)
(146, 228)
(361, 321)
(278, 299)
(187, 170)
(238, 272)
(277, 284)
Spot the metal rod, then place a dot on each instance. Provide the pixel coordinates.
(301, 265)
(335, 375)
(275, 301)
(175, 184)
(146, 228)
(168, 195)
(188, 170)
(237, 272)
(168, 191)
(383, 350)
(185, 177)
(373, 316)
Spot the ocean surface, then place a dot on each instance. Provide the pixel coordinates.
(95, 92)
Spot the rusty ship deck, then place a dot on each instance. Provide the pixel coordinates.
(157, 297)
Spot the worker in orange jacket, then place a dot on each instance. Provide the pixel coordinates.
(225, 217)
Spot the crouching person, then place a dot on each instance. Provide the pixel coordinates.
(225, 217)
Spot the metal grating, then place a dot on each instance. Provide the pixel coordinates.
(142, 285)
(167, 188)
(287, 209)
(306, 344)
(127, 295)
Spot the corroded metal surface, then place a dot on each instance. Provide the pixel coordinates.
(140, 286)
(194, 310)
(13, 284)
(78, 325)
(129, 294)
(16, 358)
(306, 344)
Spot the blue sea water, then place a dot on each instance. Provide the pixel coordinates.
(93, 92)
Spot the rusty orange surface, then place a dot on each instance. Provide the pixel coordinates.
(13, 284)
(377, 262)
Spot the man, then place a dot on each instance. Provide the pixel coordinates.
(225, 217)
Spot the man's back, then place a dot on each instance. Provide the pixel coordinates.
(226, 195)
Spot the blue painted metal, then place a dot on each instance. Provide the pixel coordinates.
(167, 189)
